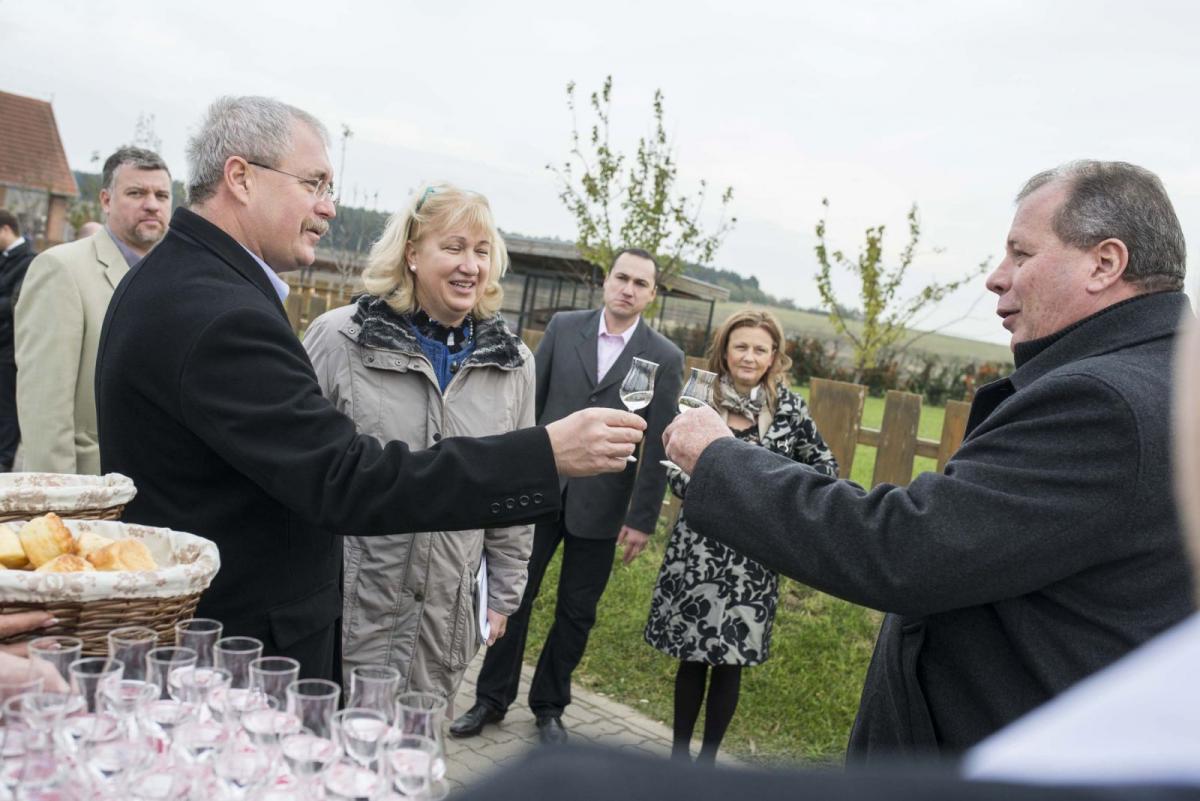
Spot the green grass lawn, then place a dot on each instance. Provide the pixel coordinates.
(799, 704)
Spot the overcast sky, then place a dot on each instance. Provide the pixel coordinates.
(874, 105)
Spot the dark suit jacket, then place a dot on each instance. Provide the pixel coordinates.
(1047, 549)
(208, 401)
(596, 507)
(12, 272)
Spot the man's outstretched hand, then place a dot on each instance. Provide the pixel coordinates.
(690, 433)
(593, 441)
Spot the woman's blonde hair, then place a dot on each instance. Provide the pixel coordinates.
(750, 318)
(436, 207)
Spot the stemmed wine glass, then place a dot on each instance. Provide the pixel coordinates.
(697, 392)
(637, 390)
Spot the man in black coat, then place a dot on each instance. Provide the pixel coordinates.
(581, 362)
(208, 401)
(1049, 546)
(15, 255)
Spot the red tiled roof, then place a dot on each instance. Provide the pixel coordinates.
(32, 154)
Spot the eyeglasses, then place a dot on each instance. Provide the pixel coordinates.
(322, 188)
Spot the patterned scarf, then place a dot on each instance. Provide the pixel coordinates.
(736, 403)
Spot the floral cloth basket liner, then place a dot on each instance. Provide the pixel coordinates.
(37, 493)
(187, 566)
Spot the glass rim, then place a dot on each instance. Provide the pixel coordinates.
(110, 664)
(127, 634)
(199, 625)
(159, 654)
(59, 640)
(260, 664)
(417, 695)
(300, 687)
(223, 644)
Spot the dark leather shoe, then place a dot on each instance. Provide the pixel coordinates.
(471, 722)
(550, 730)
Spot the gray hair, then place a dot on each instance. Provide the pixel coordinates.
(255, 128)
(1118, 200)
(137, 157)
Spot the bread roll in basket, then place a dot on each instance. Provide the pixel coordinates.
(88, 604)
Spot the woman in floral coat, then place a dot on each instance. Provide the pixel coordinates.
(713, 608)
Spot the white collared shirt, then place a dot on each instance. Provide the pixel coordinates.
(609, 346)
(280, 286)
(20, 240)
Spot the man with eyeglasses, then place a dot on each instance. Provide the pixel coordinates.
(208, 401)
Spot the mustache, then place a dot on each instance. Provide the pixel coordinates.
(316, 225)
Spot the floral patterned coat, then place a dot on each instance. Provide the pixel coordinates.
(712, 604)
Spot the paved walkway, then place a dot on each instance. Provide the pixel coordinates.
(590, 718)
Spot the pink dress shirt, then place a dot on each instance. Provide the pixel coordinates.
(609, 346)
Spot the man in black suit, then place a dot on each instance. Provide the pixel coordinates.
(581, 362)
(208, 401)
(15, 256)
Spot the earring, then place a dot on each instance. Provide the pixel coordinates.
(412, 267)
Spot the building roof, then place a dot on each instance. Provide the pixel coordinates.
(32, 155)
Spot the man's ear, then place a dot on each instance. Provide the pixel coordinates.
(237, 178)
(1111, 260)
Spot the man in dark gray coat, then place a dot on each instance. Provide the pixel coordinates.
(1049, 546)
(581, 362)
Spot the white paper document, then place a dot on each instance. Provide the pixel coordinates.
(485, 629)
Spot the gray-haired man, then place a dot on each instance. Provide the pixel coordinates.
(1049, 546)
(208, 401)
(61, 309)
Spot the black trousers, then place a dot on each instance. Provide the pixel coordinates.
(10, 434)
(586, 566)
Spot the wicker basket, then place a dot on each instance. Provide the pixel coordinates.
(26, 495)
(89, 605)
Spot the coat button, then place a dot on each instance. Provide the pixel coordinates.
(418, 597)
(397, 362)
(454, 367)
(509, 503)
(592, 399)
(437, 437)
(523, 500)
(370, 360)
(496, 508)
(537, 497)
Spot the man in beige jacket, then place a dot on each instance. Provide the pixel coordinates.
(61, 309)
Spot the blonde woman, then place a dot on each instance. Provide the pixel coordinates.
(424, 355)
(713, 608)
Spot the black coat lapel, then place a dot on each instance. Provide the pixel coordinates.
(588, 336)
(201, 232)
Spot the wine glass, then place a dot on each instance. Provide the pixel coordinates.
(131, 644)
(374, 687)
(308, 756)
(637, 390)
(412, 764)
(242, 768)
(697, 392)
(58, 651)
(361, 733)
(199, 634)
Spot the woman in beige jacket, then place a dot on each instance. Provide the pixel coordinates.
(422, 356)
